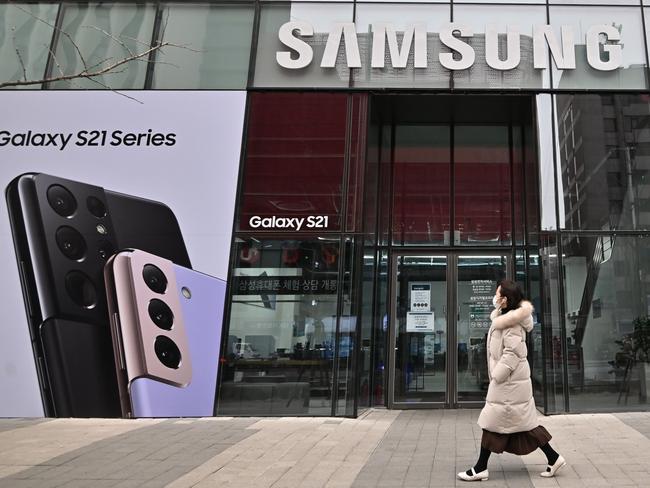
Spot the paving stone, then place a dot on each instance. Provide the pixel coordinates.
(10, 424)
(408, 449)
(127, 455)
(44, 483)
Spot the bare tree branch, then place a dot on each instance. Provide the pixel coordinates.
(56, 61)
(60, 31)
(164, 26)
(20, 57)
(85, 73)
(100, 62)
(103, 85)
(116, 39)
(93, 71)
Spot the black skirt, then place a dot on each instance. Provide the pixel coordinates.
(519, 443)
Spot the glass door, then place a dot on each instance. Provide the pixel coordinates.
(439, 358)
(475, 280)
(419, 330)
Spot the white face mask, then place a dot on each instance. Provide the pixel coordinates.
(494, 301)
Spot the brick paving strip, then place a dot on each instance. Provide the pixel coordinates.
(35, 443)
(10, 424)
(383, 448)
(295, 453)
(122, 453)
(600, 449)
(426, 448)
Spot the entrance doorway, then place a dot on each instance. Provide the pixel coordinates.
(439, 319)
(451, 192)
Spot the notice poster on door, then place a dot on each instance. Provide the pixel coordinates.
(480, 305)
(420, 297)
(419, 322)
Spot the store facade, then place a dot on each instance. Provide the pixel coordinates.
(400, 158)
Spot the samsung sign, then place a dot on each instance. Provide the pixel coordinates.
(601, 41)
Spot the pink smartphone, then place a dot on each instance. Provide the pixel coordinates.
(166, 327)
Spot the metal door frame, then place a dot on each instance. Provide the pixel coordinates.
(451, 358)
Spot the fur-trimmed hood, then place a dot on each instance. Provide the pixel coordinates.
(518, 316)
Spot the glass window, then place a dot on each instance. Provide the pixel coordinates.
(421, 176)
(646, 18)
(519, 183)
(216, 42)
(25, 38)
(380, 343)
(535, 338)
(280, 340)
(481, 75)
(403, 1)
(418, 136)
(551, 332)
(101, 35)
(348, 370)
(322, 18)
(412, 143)
(606, 292)
(317, 1)
(371, 179)
(531, 184)
(609, 125)
(482, 184)
(544, 117)
(628, 22)
(385, 181)
(602, 167)
(510, 2)
(367, 303)
(402, 18)
(295, 155)
(595, 2)
(358, 131)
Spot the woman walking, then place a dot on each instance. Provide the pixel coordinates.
(509, 418)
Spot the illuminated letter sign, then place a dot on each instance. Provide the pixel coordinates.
(604, 53)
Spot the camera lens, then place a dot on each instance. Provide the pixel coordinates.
(81, 289)
(105, 250)
(96, 207)
(168, 352)
(154, 278)
(161, 314)
(71, 243)
(61, 200)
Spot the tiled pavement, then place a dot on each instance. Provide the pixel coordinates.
(383, 448)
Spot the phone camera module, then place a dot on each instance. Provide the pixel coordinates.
(167, 352)
(61, 200)
(81, 289)
(154, 278)
(105, 250)
(71, 243)
(161, 314)
(96, 207)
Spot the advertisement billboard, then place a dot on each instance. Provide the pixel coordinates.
(88, 175)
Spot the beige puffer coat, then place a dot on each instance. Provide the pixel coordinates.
(509, 406)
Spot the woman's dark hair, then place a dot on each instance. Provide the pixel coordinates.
(513, 293)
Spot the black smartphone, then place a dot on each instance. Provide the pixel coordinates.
(64, 232)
